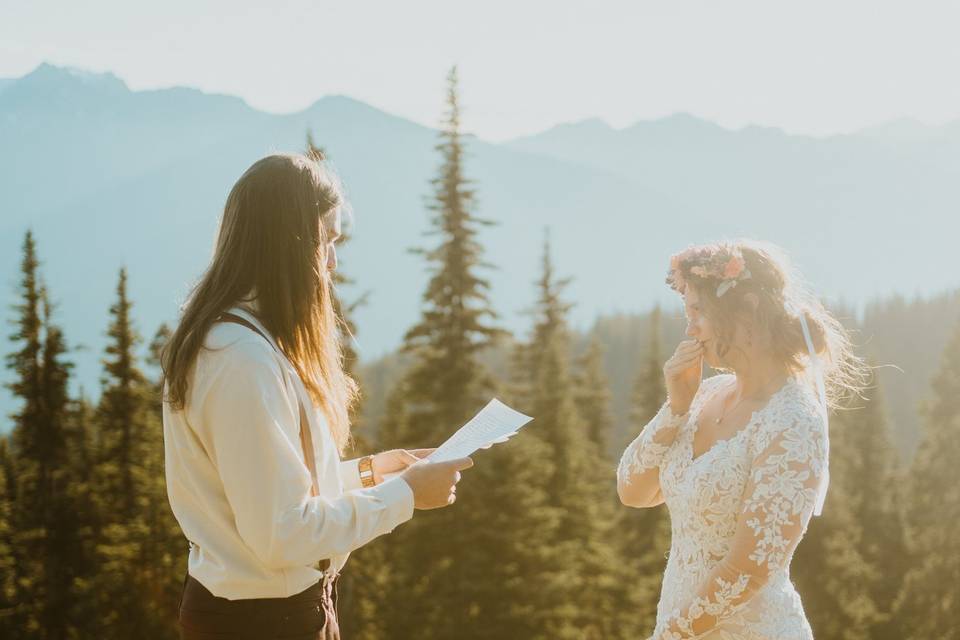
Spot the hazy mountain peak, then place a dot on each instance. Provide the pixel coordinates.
(346, 110)
(340, 99)
(47, 74)
(341, 104)
(50, 88)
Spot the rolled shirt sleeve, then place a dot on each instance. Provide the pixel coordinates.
(254, 440)
(350, 474)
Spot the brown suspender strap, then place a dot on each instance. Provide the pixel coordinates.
(306, 440)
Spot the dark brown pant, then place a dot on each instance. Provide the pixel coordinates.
(308, 615)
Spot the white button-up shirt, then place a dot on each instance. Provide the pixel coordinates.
(238, 483)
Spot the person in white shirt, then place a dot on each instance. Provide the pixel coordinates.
(255, 417)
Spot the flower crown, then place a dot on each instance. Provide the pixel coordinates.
(722, 263)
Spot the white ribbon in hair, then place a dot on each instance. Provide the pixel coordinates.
(822, 392)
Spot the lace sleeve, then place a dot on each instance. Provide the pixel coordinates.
(647, 450)
(778, 502)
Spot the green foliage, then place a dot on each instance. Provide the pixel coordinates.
(587, 590)
(645, 537)
(850, 564)
(592, 395)
(472, 571)
(43, 543)
(650, 391)
(139, 551)
(9, 556)
(910, 334)
(928, 604)
(536, 547)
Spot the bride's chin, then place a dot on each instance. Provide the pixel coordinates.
(708, 356)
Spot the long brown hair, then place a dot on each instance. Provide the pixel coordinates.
(781, 296)
(272, 241)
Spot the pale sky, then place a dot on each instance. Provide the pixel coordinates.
(815, 67)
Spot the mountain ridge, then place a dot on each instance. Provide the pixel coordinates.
(894, 127)
(138, 178)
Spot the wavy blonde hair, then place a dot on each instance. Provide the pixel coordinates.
(272, 240)
(782, 297)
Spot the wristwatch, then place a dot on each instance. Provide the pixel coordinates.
(365, 465)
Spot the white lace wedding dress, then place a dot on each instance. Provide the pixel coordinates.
(737, 513)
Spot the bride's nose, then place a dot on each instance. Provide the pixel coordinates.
(331, 258)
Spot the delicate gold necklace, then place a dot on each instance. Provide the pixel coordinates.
(723, 410)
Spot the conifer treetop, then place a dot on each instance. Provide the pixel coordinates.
(456, 301)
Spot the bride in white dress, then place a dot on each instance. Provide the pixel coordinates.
(740, 459)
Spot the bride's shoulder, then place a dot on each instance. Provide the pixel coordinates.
(795, 413)
(800, 400)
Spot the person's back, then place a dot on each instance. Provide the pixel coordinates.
(255, 417)
(227, 508)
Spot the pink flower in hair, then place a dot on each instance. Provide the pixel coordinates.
(714, 262)
(734, 267)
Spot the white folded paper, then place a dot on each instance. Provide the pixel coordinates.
(495, 423)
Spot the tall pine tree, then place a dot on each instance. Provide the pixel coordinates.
(70, 562)
(137, 582)
(43, 527)
(27, 450)
(930, 599)
(463, 571)
(456, 325)
(589, 583)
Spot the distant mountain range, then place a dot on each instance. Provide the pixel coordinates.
(107, 177)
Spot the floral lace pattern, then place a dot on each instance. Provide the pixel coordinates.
(737, 512)
(646, 452)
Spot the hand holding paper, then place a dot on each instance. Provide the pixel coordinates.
(495, 423)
